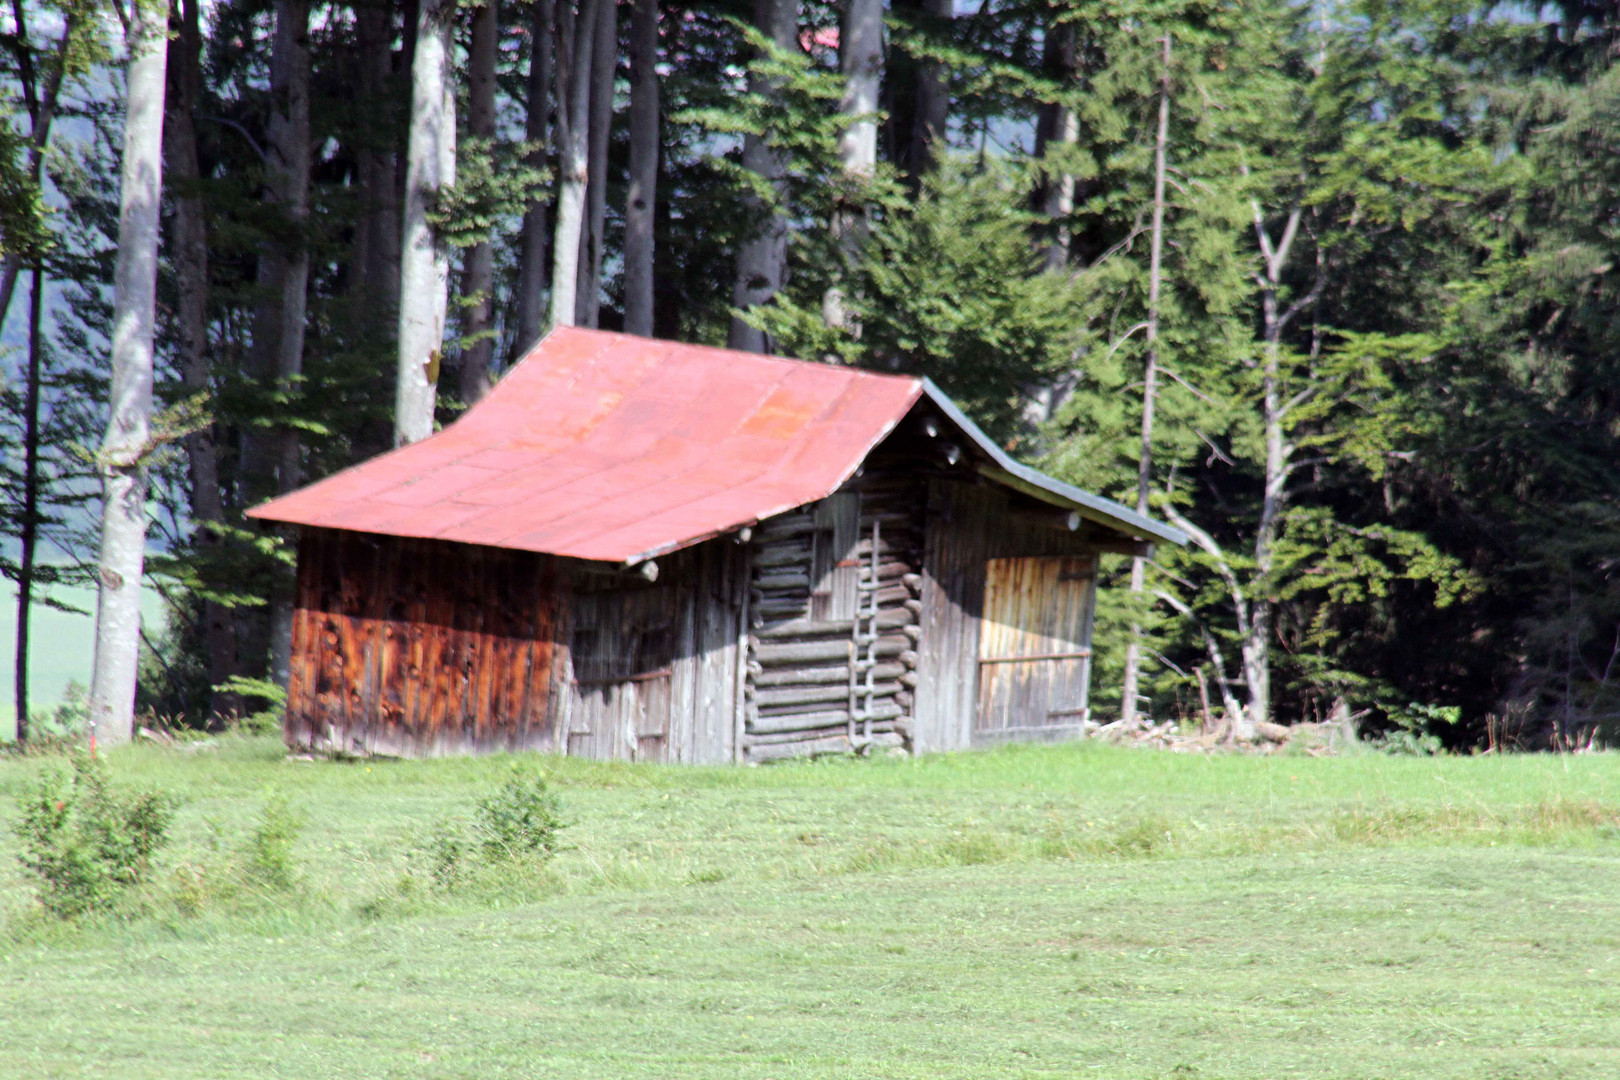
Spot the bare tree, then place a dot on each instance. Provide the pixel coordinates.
(860, 60)
(126, 447)
(604, 62)
(536, 129)
(1150, 379)
(762, 258)
(644, 145)
(425, 264)
(479, 276)
(576, 37)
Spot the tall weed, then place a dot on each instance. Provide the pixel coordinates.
(85, 844)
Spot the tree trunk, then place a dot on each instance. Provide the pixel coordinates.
(932, 110)
(1058, 127)
(860, 60)
(189, 237)
(762, 258)
(1150, 378)
(479, 278)
(124, 450)
(576, 37)
(536, 129)
(40, 100)
(643, 193)
(288, 138)
(374, 265)
(424, 293)
(604, 61)
(28, 539)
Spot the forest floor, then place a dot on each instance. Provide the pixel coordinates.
(1037, 911)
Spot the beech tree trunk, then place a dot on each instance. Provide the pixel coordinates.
(479, 278)
(643, 193)
(762, 258)
(1150, 379)
(424, 293)
(124, 449)
(536, 129)
(860, 60)
(576, 38)
(604, 61)
(189, 259)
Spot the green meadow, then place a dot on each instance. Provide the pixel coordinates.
(1035, 911)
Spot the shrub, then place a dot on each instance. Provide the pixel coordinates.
(521, 819)
(267, 859)
(83, 842)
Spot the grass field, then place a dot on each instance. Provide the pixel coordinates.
(1053, 911)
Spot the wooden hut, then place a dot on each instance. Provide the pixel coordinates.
(643, 550)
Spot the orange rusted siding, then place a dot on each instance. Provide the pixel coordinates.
(420, 647)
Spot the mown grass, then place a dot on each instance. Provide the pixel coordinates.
(1038, 911)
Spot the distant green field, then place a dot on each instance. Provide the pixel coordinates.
(61, 646)
(1032, 912)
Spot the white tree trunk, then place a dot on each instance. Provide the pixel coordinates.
(1150, 379)
(425, 264)
(762, 258)
(124, 450)
(643, 193)
(479, 277)
(536, 129)
(576, 37)
(860, 60)
(604, 63)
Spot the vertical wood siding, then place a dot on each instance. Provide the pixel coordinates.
(957, 547)
(651, 669)
(417, 647)
(1034, 647)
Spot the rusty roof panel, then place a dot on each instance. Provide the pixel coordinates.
(616, 448)
(609, 447)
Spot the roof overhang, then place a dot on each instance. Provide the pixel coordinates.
(1002, 469)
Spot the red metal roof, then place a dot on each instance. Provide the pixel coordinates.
(611, 447)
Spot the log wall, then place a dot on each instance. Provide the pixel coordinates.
(834, 603)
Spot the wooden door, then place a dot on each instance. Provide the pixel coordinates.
(621, 651)
(1034, 646)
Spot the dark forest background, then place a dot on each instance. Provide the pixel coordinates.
(1331, 285)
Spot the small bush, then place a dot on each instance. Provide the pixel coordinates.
(267, 852)
(521, 819)
(86, 844)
